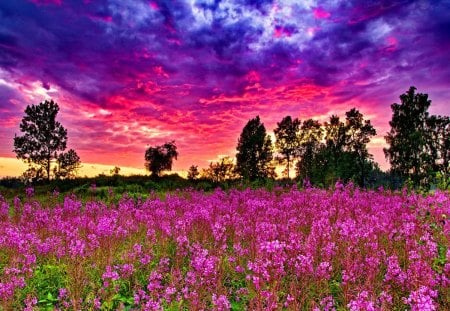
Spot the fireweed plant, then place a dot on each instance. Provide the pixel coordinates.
(285, 249)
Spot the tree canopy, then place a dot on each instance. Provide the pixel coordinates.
(359, 132)
(220, 171)
(160, 158)
(287, 140)
(68, 164)
(254, 151)
(310, 138)
(418, 142)
(43, 141)
(193, 172)
(335, 150)
(438, 134)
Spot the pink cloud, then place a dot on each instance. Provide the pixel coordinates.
(154, 5)
(280, 31)
(391, 44)
(320, 13)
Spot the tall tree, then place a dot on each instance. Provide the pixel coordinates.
(438, 134)
(343, 154)
(336, 163)
(160, 158)
(310, 137)
(359, 132)
(287, 140)
(409, 149)
(43, 138)
(254, 151)
(335, 138)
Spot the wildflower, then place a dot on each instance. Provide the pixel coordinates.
(29, 191)
(220, 303)
(30, 302)
(422, 299)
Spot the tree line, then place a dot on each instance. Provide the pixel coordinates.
(319, 153)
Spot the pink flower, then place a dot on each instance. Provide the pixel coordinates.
(220, 303)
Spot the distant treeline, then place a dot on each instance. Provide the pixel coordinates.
(320, 153)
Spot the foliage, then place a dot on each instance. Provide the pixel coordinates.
(343, 154)
(285, 249)
(68, 164)
(254, 151)
(310, 136)
(115, 171)
(220, 171)
(359, 132)
(193, 172)
(43, 139)
(409, 151)
(287, 140)
(438, 135)
(160, 158)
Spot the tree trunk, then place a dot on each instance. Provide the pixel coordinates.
(363, 177)
(48, 168)
(288, 166)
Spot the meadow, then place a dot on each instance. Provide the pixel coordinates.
(249, 249)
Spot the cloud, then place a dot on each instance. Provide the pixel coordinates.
(128, 74)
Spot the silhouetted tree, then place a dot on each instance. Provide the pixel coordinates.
(222, 170)
(33, 173)
(287, 141)
(335, 138)
(343, 154)
(115, 171)
(310, 136)
(68, 164)
(43, 139)
(254, 151)
(409, 151)
(335, 163)
(193, 172)
(438, 134)
(359, 132)
(160, 158)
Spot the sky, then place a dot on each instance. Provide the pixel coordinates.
(132, 74)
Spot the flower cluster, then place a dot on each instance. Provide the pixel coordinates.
(247, 249)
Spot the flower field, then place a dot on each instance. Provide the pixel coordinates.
(285, 249)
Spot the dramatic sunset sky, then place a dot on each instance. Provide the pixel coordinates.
(130, 74)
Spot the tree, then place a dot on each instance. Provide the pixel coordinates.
(310, 137)
(335, 162)
(254, 151)
(193, 172)
(335, 138)
(359, 132)
(287, 140)
(43, 139)
(160, 158)
(115, 171)
(409, 150)
(438, 135)
(343, 155)
(222, 170)
(68, 164)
